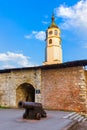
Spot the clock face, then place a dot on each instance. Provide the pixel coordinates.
(55, 32)
(50, 32)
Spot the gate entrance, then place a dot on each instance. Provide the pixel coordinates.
(25, 92)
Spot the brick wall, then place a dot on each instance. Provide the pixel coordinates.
(86, 88)
(62, 89)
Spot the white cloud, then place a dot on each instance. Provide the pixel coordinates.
(73, 16)
(34, 32)
(6, 66)
(28, 36)
(39, 35)
(11, 60)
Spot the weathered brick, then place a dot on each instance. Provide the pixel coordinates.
(61, 89)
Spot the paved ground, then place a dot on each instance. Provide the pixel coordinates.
(11, 119)
(82, 126)
(81, 121)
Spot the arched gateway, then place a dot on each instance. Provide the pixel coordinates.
(25, 92)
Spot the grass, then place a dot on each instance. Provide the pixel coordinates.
(4, 107)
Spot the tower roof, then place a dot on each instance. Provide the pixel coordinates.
(53, 24)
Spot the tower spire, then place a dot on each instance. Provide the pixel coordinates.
(53, 24)
(53, 18)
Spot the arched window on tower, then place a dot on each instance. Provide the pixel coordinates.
(50, 32)
(50, 41)
(55, 32)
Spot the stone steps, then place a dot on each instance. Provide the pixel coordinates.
(76, 117)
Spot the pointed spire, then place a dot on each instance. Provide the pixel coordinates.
(53, 24)
(53, 17)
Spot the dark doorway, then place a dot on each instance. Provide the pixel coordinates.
(25, 92)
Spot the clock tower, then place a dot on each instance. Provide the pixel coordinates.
(53, 51)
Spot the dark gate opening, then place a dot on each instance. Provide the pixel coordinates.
(30, 93)
(25, 92)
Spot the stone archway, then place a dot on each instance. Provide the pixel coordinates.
(25, 92)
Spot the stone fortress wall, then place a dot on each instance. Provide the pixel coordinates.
(10, 81)
(57, 88)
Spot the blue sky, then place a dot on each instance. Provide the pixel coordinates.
(22, 30)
